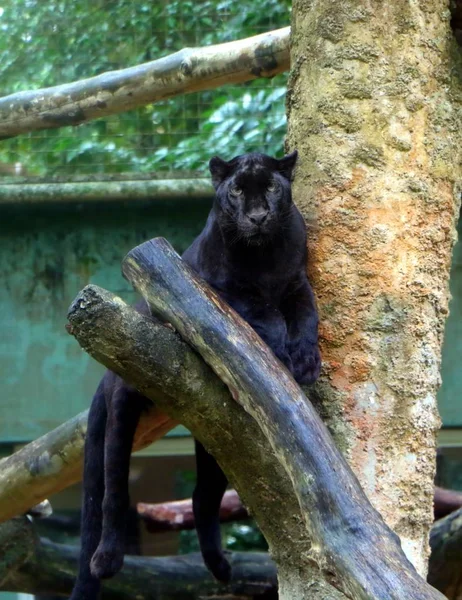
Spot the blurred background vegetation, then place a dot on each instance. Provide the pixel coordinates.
(44, 44)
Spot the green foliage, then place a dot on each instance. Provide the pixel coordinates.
(45, 43)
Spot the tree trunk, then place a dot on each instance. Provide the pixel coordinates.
(374, 111)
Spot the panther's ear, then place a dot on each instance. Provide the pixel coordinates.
(286, 165)
(220, 170)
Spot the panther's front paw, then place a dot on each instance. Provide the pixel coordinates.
(106, 562)
(306, 362)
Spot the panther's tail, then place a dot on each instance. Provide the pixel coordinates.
(86, 586)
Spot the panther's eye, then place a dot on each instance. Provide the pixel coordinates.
(235, 191)
(272, 186)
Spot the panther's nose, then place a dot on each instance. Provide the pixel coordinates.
(257, 217)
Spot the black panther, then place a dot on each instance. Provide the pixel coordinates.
(252, 250)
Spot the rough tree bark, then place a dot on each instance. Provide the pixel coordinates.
(374, 109)
(190, 70)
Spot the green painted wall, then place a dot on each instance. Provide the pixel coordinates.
(47, 255)
(450, 393)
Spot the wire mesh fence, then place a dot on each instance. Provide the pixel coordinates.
(45, 43)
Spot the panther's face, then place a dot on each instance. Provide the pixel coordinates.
(253, 196)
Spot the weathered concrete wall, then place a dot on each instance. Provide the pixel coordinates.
(375, 111)
(48, 254)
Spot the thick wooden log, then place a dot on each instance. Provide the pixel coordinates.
(29, 564)
(445, 566)
(54, 461)
(350, 537)
(166, 370)
(178, 515)
(190, 70)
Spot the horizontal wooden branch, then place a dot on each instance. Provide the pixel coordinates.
(190, 70)
(55, 461)
(178, 515)
(99, 191)
(34, 566)
(351, 539)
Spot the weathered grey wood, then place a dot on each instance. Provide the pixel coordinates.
(190, 70)
(99, 191)
(445, 567)
(350, 537)
(36, 566)
(165, 368)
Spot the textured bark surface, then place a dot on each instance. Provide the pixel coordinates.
(55, 461)
(190, 70)
(374, 110)
(37, 566)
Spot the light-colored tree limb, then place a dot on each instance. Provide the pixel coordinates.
(54, 461)
(102, 191)
(29, 564)
(190, 70)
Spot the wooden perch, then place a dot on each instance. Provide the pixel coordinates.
(178, 515)
(104, 191)
(351, 538)
(445, 566)
(55, 461)
(190, 70)
(290, 459)
(34, 566)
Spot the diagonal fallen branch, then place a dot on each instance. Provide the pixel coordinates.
(293, 479)
(190, 70)
(38, 566)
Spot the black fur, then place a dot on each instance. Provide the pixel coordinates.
(252, 250)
